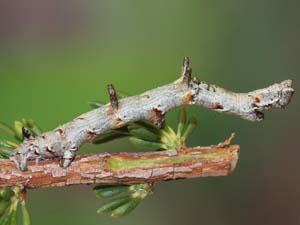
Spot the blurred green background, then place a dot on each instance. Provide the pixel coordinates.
(57, 55)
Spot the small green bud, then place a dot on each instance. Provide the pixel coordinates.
(165, 137)
(18, 130)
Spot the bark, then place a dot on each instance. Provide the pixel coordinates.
(124, 168)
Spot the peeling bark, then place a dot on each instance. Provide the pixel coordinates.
(124, 168)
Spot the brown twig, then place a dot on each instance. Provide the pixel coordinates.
(124, 168)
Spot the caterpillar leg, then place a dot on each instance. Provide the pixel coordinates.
(67, 158)
(20, 160)
(38, 159)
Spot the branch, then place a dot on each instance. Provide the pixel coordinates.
(151, 106)
(124, 168)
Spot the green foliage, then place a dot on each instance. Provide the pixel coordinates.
(25, 214)
(6, 147)
(11, 198)
(16, 131)
(6, 129)
(127, 197)
(10, 201)
(112, 135)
